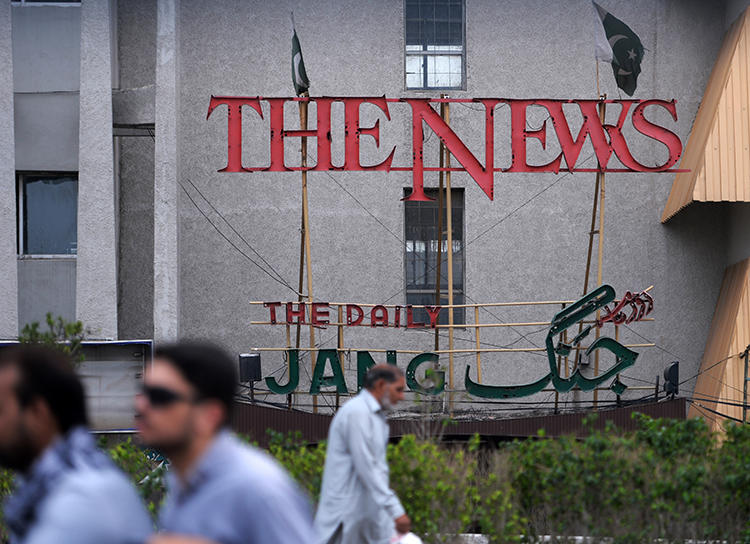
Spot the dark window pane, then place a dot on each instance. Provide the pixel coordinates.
(428, 299)
(50, 207)
(422, 243)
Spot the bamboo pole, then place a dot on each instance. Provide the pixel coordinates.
(455, 326)
(481, 304)
(479, 357)
(449, 245)
(600, 253)
(306, 235)
(289, 397)
(341, 347)
(438, 274)
(468, 350)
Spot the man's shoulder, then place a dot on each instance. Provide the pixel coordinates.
(357, 404)
(98, 502)
(245, 464)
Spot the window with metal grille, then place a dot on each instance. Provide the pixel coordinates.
(47, 214)
(435, 56)
(421, 254)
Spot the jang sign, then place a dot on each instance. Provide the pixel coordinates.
(607, 139)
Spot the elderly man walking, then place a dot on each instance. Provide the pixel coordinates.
(357, 505)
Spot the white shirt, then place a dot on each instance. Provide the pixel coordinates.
(355, 495)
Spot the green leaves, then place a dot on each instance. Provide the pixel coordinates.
(60, 334)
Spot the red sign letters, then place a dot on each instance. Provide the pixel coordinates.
(607, 139)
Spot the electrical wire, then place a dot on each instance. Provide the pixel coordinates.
(701, 407)
(235, 245)
(234, 230)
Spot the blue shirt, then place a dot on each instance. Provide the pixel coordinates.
(355, 497)
(74, 494)
(237, 494)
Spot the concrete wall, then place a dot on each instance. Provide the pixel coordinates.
(8, 234)
(136, 245)
(739, 233)
(514, 49)
(38, 279)
(46, 66)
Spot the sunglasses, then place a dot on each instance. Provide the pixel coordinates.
(160, 397)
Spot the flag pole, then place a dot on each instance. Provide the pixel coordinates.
(438, 278)
(449, 246)
(305, 249)
(600, 252)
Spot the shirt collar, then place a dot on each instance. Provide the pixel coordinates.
(371, 402)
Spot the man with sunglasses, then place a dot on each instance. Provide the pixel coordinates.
(218, 488)
(67, 490)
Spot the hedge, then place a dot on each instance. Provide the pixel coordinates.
(670, 480)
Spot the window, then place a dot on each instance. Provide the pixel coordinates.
(421, 225)
(47, 214)
(435, 44)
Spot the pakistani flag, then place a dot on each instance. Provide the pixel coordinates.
(619, 45)
(299, 76)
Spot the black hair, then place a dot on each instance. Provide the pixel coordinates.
(208, 368)
(389, 373)
(48, 374)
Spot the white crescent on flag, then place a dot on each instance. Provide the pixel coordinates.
(297, 76)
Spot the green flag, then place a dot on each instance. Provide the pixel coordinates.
(299, 76)
(627, 50)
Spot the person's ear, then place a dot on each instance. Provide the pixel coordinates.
(212, 416)
(39, 418)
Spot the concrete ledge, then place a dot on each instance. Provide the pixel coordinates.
(133, 106)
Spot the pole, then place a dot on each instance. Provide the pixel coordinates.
(479, 354)
(744, 387)
(341, 347)
(306, 236)
(449, 245)
(288, 360)
(600, 256)
(438, 277)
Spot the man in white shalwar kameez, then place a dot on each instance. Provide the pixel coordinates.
(357, 506)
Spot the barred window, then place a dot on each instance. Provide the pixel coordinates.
(422, 239)
(435, 56)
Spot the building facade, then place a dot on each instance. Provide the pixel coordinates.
(115, 212)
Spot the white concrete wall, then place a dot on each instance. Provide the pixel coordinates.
(96, 273)
(166, 175)
(8, 274)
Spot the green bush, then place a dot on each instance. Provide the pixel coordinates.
(6, 485)
(145, 468)
(670, 480)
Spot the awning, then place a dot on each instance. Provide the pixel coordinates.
(720, 384)
(717, 154)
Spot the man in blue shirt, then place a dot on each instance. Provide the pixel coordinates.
(67, 491)
(218, 488)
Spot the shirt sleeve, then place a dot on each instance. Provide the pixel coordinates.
(362, 449)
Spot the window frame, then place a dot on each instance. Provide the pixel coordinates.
(436, 52)
(47, 3)
(459, 313)
(20, 231)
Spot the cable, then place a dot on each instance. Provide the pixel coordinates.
(559, 179)
(709, 368)
(234, 245)
(699, 406)
(238, 234)
(652, 342)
